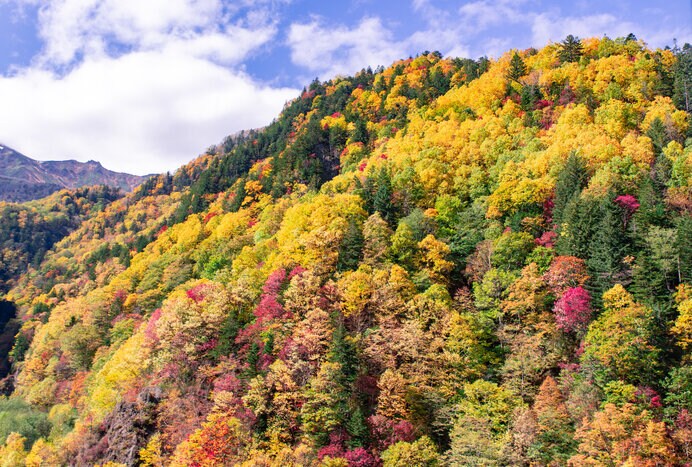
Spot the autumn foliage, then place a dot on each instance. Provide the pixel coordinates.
(442, 262)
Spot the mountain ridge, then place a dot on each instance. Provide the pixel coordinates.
(24, 178)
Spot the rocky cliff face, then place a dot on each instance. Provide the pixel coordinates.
(23, 178)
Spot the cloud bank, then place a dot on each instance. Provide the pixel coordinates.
(141, 86)
(466, 29)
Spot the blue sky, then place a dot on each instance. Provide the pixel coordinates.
(144, 86)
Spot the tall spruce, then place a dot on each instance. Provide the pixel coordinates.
(517, 67)
(579, 222)
(684, 249)
(570, 182)
(344, 352)
(682, 78)
(658, 134)
(607, 248)
(570, 49)
(351, 248)
(382, 201)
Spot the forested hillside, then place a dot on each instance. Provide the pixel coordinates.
(444, 262)
(28, 231)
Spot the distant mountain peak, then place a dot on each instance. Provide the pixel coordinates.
(24, 178)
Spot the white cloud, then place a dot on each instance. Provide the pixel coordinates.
(553, 28)
(333, 50)
(480, 15)
(92, 28)
(144, 112)
(340, 50)
(499, 25)
(142, 86)
(228, 48)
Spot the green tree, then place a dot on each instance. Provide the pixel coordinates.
(404, 245)
(572, 178)
(321, 413)
(684, 249)
(618, 345)
(351, 248)
(479, 435)
(570, 49)
(682, 84)
(578, 225)
(19, 417)
(421, 453)
(511, 249)
(382, 200)
(607, 248)
(658, 134)
(517, 68)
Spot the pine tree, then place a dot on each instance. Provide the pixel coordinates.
(360, 132)
(368, 194)
(658, 134)
(648, 284)
(570, 49)
(351, 249)
(343, 352)
(382, 201)
(517, 68)
(684, 249)
(238, 196)
(607, 249)
(650, 195)
(438, 82)
(530, 95)
(682, 84)
(579, 222)
(572, 179)
(357, 428)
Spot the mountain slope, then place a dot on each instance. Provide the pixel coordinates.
(444, 262)
(23, 179)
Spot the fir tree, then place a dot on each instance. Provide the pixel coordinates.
(517, 68)
(357, 428)
(659, 136)
(343, 352)
(238, 196)
(530, 95)
(607, 248)
(579, 222)
(648, 284)
(570, 49)
(351, 249)
(368, 194)
(572, 179)
(360, 132)
(382, 200)
(684, 249)
(682, 84)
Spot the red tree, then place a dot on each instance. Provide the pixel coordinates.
(573, 310)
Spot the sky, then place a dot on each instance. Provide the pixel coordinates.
(144, 86)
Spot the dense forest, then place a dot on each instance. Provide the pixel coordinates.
(29, 230)
(442, 262)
